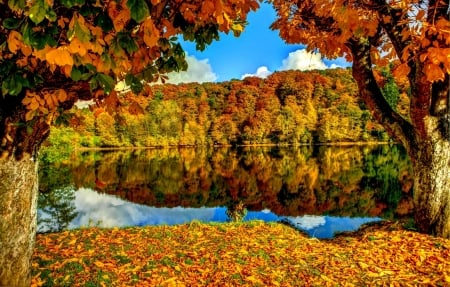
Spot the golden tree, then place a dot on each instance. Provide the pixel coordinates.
(54, 53)
(413, 37)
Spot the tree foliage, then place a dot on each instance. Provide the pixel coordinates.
(414, 38)
(325, 108)
(411, 36)
(53, 53)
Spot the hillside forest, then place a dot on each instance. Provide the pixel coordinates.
(288, 107)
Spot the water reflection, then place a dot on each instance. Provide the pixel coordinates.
(336, 184)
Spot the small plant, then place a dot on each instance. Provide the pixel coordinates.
(236, 212)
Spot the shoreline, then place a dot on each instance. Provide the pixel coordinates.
(331, 144)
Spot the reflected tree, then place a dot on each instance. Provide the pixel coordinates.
(56, 209)
(236, 211)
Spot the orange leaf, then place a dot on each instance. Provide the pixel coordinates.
(61, 95)
(14, 41)
(151, 33)
(59, 56)
(77, 47)
(434, 72)
(401, 71)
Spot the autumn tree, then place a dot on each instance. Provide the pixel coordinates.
(54, 53)
(412, 36)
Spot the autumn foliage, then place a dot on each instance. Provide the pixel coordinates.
(413, 37)
(239, 254)
(290, 107)
(54, 53)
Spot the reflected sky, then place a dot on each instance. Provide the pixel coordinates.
(104, 210)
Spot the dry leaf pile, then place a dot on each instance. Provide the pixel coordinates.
(239, 254)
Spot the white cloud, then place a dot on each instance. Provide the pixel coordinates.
(198, 71)
(334, 66)
(303, 60)
(261, 72)
(298, 60)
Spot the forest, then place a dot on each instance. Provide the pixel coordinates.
(288, 107)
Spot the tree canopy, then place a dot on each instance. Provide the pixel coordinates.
(53, 53)
(413, 37)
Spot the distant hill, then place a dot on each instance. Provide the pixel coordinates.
(289, 107)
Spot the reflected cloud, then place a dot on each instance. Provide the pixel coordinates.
(104, 210)
(108, 211)
(328, 226)
(307, 222)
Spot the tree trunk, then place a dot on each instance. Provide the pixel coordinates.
(18, 211)
(431, 164)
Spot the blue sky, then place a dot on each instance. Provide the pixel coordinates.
(257, 48)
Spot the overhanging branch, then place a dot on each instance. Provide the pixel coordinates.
(371, 93)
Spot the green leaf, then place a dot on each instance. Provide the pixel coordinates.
(104, 22)
(127, 42)
(41, 10)
(106, 82)
(32, 38)
(14, 84)
(139, 10)
(51, 15)
(11, 23)
(17, 5)
(38, 11)
(71, 3)
(82, 32)
(75, 74)
(134, 83)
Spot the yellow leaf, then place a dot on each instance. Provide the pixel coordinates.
(59, 56)
(99, 264)
(447, 278)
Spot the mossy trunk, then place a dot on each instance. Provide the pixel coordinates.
(18, 211)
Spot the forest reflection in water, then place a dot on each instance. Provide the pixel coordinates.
(332, 187)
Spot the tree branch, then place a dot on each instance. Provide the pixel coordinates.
(371, 93)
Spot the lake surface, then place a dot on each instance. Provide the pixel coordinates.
(320, 190)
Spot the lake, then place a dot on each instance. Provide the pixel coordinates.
(320, 190)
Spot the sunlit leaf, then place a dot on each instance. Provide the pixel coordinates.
(41, 10)
(60, 57)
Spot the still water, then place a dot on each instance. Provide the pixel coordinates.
(320, 190)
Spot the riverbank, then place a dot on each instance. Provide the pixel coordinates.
(239, 254)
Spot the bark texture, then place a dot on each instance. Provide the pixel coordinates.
(431, 163)
(18, 211)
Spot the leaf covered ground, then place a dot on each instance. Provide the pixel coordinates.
(239, 254)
